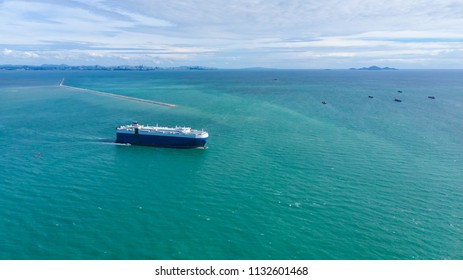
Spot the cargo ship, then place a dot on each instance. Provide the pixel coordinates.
(158, 136)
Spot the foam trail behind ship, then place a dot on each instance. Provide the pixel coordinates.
(117, 95)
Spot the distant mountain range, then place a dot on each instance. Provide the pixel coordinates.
(99, 67)
(373, 68)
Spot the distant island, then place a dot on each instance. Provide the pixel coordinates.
(373, 68)
(99, 67)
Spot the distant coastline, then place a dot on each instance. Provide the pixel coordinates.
(99, 67)
(62, 67)
(374, 68)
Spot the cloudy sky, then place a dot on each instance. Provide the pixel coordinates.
(234, 33)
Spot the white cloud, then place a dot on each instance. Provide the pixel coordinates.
(7, 52)
(411, 34)
(241, 32)
(20, 54)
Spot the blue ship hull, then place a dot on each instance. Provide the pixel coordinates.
(160, 141)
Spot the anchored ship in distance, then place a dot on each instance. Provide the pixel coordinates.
(169, 137)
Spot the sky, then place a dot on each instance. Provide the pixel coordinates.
(287, 34)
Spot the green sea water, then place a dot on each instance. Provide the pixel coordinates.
(284, 176)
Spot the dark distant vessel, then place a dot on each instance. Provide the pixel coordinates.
(323, 102)
(399, 91)
(370, 96)
(398, 100)
(431, 97)
(169, 137)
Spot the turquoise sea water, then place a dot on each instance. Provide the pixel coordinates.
(284, 177)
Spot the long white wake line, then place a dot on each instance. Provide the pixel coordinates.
(61, 84)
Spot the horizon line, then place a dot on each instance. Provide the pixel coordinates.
(142, 67)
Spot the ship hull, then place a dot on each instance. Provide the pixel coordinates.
(161, 141)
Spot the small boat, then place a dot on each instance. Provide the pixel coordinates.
(323, 102)
(370, 96)
(431, 97)
(399, 91)
(397, 100)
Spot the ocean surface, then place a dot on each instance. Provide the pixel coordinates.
(284, 176)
